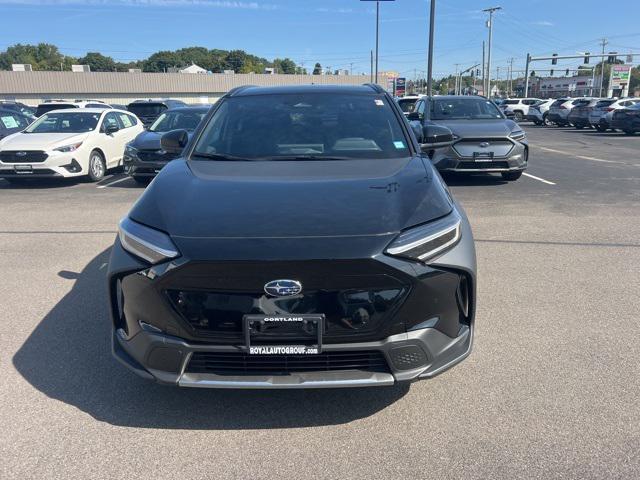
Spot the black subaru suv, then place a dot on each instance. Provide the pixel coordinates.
(144, 157)
(302, 240)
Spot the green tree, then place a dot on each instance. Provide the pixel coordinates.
(42, 56)
(161, 61)
(285, 65)
(98, 62)
(317, 69)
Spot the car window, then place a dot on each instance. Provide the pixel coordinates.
(511, 102)
(125, 120)
(302, 126)
(12, 121)
(464, 108)
(421, 107)
(47, 107)
(146, 109)
(604, 103)
(187, 120)
(65, 122)
(110, 119)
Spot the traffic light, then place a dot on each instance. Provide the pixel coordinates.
(611, 58)
(566, 74)
(477, 72)
(533, 73)
(586, 57)
(551, 72)
(554, 61)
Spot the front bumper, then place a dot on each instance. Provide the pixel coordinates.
(452, 160)
(57, 164)
(429, 331)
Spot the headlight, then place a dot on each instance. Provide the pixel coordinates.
(517, 134)
(68, 148)
(427, 241)
(129, 150)
(147, 243)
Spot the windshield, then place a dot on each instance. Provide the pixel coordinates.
(464, 108)
(174, 120)
(146, 109)
(65, 122)
(407, 104)
(303, 126)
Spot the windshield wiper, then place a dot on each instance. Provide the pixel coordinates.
(219, 156)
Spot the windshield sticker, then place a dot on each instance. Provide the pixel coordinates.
(379, 102)
(398, 145)
(9, 122)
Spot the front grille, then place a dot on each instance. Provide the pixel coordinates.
(346, 311)
(481, 165)
(155, 156)
(497, 147)
(23, 156)
(239, 363)
(29, 173)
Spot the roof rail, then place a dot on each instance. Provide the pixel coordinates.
(375, 87)
(233, 91)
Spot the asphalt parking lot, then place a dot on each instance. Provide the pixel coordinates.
(550, 391)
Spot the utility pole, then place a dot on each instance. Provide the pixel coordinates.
(351, 68)
(603, 43)
(371, 66)
(484, 79)
(377, 35)
(510, 92)
(455, 86)
(430, 57)
(490, 25)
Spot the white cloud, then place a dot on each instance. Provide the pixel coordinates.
(543, 23)
(230, 4)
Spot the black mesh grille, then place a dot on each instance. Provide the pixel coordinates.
(481, 165)
(19, 156)
(238, 363)
(155, 156)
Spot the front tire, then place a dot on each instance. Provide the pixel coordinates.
(518, 116)
(97, 166)
(601, 127)
(545, 121)
(511, 176)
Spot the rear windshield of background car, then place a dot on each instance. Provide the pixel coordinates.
(307, 126)
(464, 109)
(558, 103)
(186, 120)
(407, 104)
(42, 109)
(146, 109)
(511, 102)
(604, 103)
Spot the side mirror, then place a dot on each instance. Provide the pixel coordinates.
(174, 141)
(111, 129)
(435, 136)
(414, 116)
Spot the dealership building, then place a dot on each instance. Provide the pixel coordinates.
(32, 88)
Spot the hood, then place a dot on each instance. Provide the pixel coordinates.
(150, 140)
(277, 206)
(479, 128)
(40, 141)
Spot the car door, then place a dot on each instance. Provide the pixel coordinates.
(114, 141)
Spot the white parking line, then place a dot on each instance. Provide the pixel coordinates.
(593, 159)
(538, 178)
(114, 182)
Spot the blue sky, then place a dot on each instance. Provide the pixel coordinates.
(336, 33)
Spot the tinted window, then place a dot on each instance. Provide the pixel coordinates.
(420, 107)
(174, 120)
(463, 108)
(407, 104)
(65, 122)
(12, 121)
(110, 120)
(510, 102)
(304, 126)
(146, 109)
(42, 109)
(97, 105)
(604, 103)
(558, 103)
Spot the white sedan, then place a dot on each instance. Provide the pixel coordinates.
(69, 143)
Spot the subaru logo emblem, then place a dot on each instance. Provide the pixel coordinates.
(283, 288)
(484, 145)
(21, 154)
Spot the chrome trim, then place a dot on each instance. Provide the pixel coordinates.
(346, 378)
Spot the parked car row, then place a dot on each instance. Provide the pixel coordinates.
(88, 137)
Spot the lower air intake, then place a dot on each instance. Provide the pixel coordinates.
(239, 363)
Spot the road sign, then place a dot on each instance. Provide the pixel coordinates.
(400, 86)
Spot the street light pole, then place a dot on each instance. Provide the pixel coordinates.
(377, 35)
(604, 43)
(432, 16)
(490, 11)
